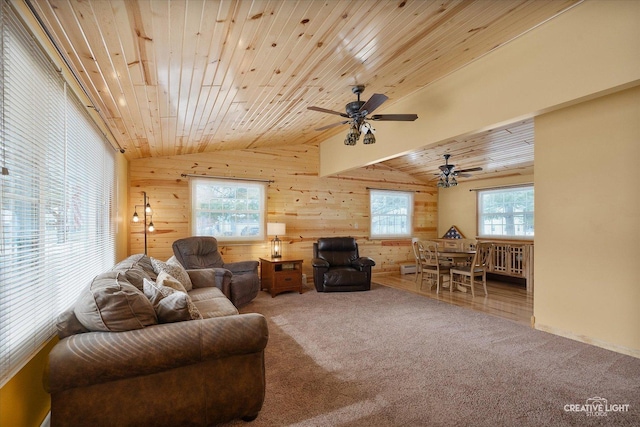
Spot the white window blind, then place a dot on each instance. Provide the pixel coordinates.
(57, 197)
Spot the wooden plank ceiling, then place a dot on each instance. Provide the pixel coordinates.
(500, 152)
(181, 77)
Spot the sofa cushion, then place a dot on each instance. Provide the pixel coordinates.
(216, 308)
(211, 302)
(111, 304)
(201, 294)
(173, 268)
(170, 305)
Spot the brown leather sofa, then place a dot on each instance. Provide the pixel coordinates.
(242, 282)
(111, 368)
(338, 266)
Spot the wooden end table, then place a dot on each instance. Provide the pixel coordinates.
(280, 275)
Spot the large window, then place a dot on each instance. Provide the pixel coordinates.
(506, 212)
(391, 214)
(228, 210)
(56, 197)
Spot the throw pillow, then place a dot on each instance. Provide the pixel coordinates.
(111, 304)
(165, 279)
(176, 270)
(170, 305)
(68, 324)
(136, 267)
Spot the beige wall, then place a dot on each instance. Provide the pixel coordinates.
(457, 205)
(23, 401)
(582, 53)
(588, 221)
(309, 205)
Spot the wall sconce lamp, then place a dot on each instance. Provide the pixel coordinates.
(147, 218)
(275, 229)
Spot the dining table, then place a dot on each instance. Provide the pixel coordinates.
(456, 255)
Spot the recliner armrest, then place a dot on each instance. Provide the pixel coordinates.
(242, 266)
(209, 277)
(319, 263)
(364, 262)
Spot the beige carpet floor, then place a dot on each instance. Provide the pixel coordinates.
(392, 358)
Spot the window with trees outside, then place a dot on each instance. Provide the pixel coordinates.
(391, 214)
(228, 210)
(506, 212)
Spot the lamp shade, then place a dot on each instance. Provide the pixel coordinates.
(276, 228)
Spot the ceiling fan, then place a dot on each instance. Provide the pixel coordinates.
(448, 173)
(356, 115)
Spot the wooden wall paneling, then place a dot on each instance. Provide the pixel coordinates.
(311, 206)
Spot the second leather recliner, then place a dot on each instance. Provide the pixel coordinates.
(338, 266)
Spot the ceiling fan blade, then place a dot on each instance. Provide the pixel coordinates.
(332, 125)
(395, 117)
(463, 175)
(376, 100)
(470, 170)
(324, 110)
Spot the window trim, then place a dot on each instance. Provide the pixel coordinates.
(409, 216)
(263, 185)
(506, 188)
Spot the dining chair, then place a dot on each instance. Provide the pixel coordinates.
(416, 254)
(466, 275)
(468, 244)
(430, 264)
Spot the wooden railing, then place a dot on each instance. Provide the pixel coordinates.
(512, 258)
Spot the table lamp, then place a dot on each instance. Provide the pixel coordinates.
(275, 229)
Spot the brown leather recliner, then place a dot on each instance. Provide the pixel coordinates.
(202, 252)
(338, 267)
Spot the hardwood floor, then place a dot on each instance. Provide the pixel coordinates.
(508, 300)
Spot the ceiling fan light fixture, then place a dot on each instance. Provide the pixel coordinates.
(357, 112)
(447, 175)
(353, 134)
(369, 138)
(354, 130)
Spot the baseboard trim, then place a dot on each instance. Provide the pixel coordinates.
(588, 340)
(408, 268)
